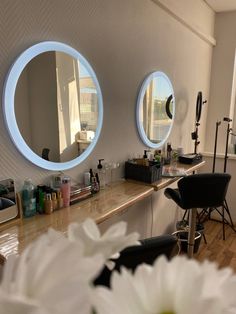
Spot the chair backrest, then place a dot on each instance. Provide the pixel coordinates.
(45, 153)
(203, 190)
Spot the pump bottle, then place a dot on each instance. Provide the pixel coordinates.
(101, 174)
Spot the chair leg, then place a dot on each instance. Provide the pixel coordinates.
(192, 229)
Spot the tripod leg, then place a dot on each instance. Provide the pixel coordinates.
(230, 218)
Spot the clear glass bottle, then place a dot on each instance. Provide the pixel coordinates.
(101, 174)
(29, 198)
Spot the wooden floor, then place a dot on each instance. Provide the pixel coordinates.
(216, 249)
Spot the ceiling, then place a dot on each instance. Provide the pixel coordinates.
(222, 5)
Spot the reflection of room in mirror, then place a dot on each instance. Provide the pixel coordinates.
(156, 121)
(56, 105)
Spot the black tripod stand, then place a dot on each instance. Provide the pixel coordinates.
(225, 208)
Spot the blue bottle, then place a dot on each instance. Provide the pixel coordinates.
(29, 198)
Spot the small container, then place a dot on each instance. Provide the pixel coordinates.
(29, 198)
(48, 207)
(65, 190)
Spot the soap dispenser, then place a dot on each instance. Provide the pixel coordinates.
(101, 174)
(145, 158)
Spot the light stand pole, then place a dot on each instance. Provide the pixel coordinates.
(227, 141)
(225, 206)
(216, 138)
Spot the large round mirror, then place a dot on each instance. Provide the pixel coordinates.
(53, 106)
(155, 109)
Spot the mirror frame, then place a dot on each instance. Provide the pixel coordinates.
(9, 111)
(141, 94)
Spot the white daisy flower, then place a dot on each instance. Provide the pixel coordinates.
(180, 286)
(51, 276)
(109, 244)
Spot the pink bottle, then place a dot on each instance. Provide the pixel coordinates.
(65, 190)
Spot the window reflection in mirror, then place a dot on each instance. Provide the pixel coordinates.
(56, 106)
(155, 109)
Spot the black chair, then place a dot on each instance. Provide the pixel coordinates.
(45, 153)
(206, 190)
(146, 253)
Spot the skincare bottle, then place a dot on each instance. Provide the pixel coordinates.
(145, 158)
(95, 187)
(54, 201)
(168, 152)
(29, 198)
(57, 181)
(48, 207)
(101, 174)
(65, 190)
(59, 200)
(40, 196)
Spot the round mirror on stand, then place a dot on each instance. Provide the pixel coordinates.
(53, 106)
(155, 109)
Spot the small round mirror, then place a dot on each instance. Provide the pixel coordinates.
(53, 106)
(155, 109)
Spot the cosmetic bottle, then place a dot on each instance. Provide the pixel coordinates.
(94, 185)
(40, 196)
(54, 201)
(29, 198)
(65, 190)
(145, 158)
(48, 206)
(101, 174)
(168, 153)
(59, 200)
(57, 180)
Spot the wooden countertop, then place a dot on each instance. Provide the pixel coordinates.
(100, 207)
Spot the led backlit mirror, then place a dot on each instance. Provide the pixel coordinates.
(155, 109)
(53, 106)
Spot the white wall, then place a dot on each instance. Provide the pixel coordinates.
(221, 78)
(220, 99)
(123, 41)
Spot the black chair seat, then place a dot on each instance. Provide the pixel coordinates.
(147, 253)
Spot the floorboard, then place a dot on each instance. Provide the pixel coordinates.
(223, 252)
